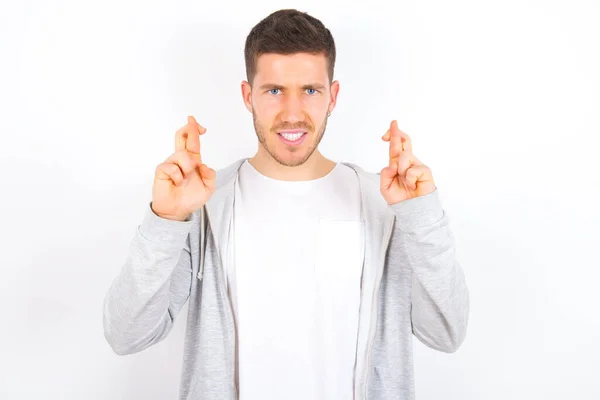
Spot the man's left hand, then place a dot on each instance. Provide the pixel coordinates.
(406, 177)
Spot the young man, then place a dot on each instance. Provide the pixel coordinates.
(306, 278)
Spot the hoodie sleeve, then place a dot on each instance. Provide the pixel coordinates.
(152, 286)
(440, 298)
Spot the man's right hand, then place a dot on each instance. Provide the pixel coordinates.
(183, 184)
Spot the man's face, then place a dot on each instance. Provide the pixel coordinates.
(289, 100)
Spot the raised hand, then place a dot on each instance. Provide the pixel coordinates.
(406, 177)
(183, 184)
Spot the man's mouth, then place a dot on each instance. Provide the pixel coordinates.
(292, 137)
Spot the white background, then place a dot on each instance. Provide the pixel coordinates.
(501, 100)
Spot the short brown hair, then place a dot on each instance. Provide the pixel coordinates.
(285, 32)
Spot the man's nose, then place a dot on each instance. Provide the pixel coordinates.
(293, 109)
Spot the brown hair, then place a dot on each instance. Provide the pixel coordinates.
(285, 32)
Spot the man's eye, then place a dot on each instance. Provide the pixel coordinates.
(271, 91)
(313, 91)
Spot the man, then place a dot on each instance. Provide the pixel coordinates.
(306, 278)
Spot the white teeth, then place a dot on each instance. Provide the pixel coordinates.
(292, 137)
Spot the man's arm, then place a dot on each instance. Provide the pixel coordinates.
(440, 298)
(152, 287)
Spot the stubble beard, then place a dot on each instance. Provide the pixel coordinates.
(260, 133)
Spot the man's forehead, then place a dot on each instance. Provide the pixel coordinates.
(297, 66)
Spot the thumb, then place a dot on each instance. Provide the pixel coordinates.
(208, 175)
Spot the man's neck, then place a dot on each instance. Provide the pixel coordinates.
(317, 166)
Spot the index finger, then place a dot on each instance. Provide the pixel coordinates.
(406, 144)
(193, 139)
(188, 137)
(395, 138)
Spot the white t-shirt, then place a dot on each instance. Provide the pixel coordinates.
(293, 275)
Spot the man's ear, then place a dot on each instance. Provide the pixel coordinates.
(247, 95)
(335, 89)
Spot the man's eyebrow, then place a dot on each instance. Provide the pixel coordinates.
(270, 86)
(280, 87)
(313, 86)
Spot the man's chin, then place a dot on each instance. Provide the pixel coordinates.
(290, 158)
(288, 161)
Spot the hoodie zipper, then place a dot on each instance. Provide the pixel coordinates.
(374, 305)
(229, 311)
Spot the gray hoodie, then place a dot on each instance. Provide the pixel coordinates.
(412, 284)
